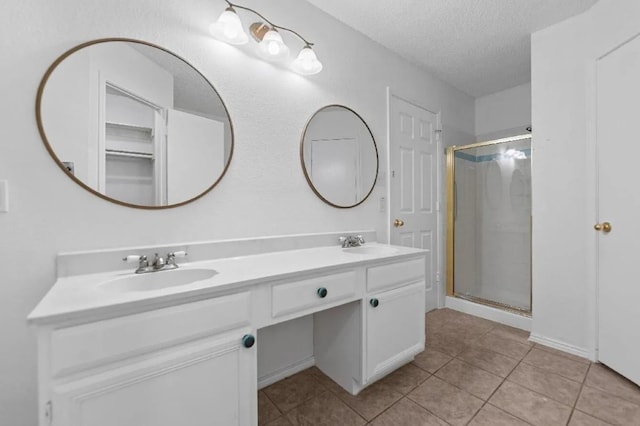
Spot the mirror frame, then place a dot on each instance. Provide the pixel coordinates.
(304, 168)
(57, 160)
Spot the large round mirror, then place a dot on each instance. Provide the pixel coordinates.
(134, 123)
(339, 156)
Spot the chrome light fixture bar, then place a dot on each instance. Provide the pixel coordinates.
(271, 47)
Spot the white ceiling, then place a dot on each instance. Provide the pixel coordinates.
(191, 91)
(478, 46)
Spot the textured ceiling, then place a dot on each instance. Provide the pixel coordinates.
(478, 46)
(191, 92)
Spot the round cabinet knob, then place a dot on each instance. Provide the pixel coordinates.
(398, 223)
(322, 292)
(374, 302)
(604, 227)
(248, 340)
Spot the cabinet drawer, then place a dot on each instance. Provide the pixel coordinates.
(101, 342)
(393, 274)
(300, 295)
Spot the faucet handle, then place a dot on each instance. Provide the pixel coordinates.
(180, 253)
(141, 259)
(360, 239)
(171, 257)
(135, 258)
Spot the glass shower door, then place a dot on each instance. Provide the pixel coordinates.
(491, 217)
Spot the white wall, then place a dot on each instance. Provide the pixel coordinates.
(264, 191)
(563, 169)
(505, 113)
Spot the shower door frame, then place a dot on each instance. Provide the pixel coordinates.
(450, 241)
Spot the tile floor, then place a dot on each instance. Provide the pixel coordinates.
(474, 372)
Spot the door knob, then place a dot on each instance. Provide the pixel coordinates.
(604, 227)
(398, 223)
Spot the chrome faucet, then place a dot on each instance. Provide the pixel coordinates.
(351, 241)
(158, 263)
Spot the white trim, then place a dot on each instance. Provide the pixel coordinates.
(591, 191)
(285, 372)
(561, 346)
(488, 312)
(388, 177)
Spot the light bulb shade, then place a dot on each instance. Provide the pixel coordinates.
(228, 28)
(307, 62)
(272, 47)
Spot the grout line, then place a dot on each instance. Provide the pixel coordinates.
(270, 400)
(498, 387)
(583, 385)
(384, 411)
(427, 410)
(584, 381)
(561, 354)
(325, 389)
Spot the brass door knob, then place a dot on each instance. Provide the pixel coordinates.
(604, 227)
(398, 223)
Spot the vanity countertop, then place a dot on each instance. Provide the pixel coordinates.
(80, 298)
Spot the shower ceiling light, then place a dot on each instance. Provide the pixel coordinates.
(271, 46)
(514, 153)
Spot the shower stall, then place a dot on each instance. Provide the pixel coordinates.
(489, 223)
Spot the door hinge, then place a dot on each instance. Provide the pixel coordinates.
(48, 412)
(393, 173)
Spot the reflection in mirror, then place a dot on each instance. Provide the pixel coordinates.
(134, 123)
(339, 156)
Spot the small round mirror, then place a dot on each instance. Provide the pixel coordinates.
(339, 156)
(134, 124)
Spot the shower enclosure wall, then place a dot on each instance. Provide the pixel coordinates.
(489, 223)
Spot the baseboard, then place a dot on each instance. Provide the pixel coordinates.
(561, 346)
(488, 312)
(285, 372)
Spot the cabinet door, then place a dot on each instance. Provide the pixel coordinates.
(394, 329)
(209, 382)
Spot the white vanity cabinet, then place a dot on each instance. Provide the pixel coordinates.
(394, 315)
(192, 364)
(188, 355)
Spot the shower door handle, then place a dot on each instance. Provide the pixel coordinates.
(455, 200)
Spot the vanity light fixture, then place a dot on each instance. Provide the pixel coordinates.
(271, 47)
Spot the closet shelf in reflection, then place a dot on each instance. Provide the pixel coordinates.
(129, 154)
(126, 126)
(129, 178)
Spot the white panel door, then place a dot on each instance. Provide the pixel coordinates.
(209, 383)
(334, 169)
(619, 204)
(195, 154)
(413, 156)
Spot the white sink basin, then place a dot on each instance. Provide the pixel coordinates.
(157, 280)
(377, 249)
